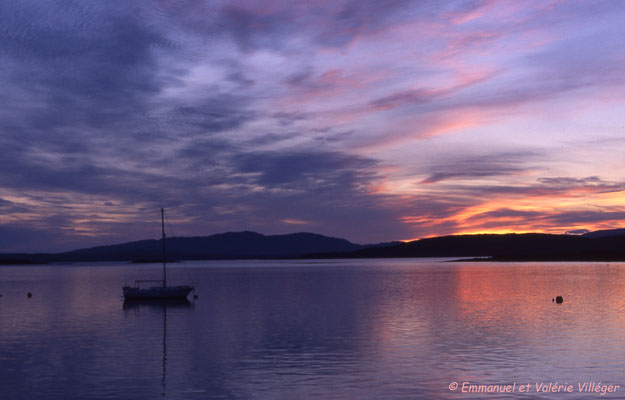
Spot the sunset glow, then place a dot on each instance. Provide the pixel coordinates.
(370, 120)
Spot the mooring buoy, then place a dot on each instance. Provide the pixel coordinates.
(29, 294)
(559, 299)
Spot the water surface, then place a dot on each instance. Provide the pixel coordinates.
(348, 329)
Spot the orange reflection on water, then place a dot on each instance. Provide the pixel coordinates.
(487, 295)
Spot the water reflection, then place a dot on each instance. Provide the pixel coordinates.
(159, 305)
(385, 329)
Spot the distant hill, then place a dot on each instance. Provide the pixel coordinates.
(605, 233)
(531, 246)
(593, 246)
(230, 245)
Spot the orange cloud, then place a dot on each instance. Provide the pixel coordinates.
(592, 205)
(294, 221)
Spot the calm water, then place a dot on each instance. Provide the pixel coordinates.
(382, 329)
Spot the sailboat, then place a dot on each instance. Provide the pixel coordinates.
(161, 290)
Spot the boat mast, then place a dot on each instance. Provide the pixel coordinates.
(164, 260)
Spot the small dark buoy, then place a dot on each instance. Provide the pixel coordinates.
(552, 300)
(195, 296)
(559, 299)
(29, 294)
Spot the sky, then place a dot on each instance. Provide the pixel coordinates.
(367, 120)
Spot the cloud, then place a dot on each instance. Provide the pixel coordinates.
(587, 217)
(216, 113)
(577, 232)
(305, 170)
(413, 97)
(104, 65)
(241, 114)
(9, 207)
(568, 183)
(553, 186)
(551, 220)
(554, 205)
(295, 221)
(253, 30)
(483, 166)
